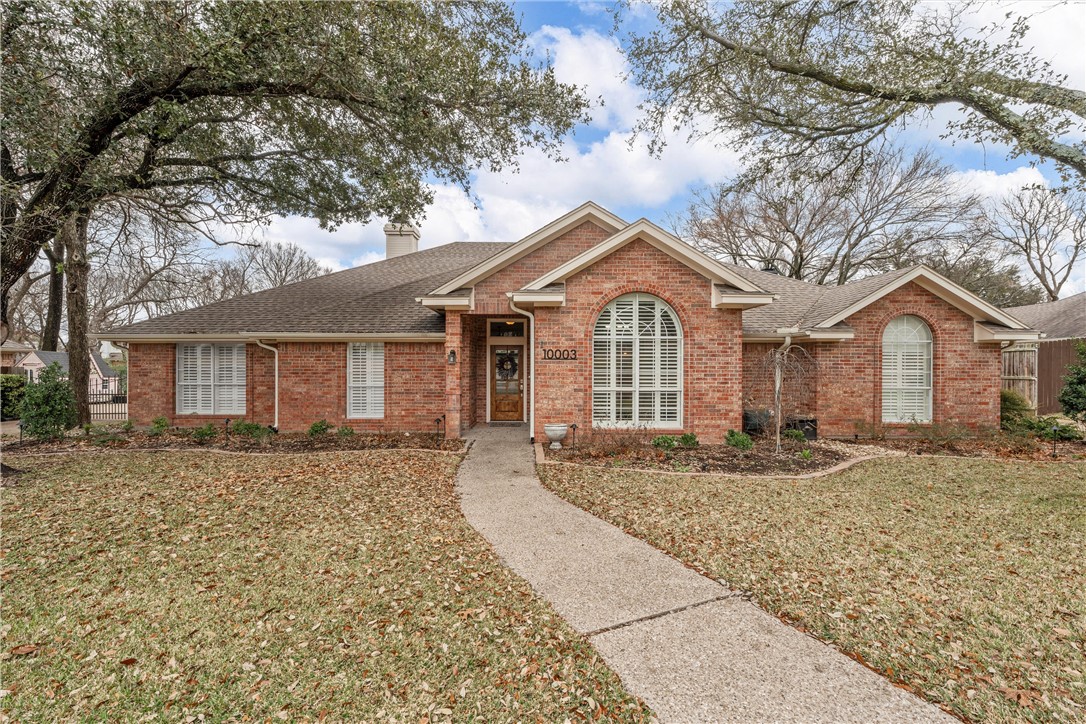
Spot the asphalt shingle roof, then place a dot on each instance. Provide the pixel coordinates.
(1057, 320)
(375, 298)
(61, 358)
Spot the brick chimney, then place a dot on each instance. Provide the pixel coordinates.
(400, 238)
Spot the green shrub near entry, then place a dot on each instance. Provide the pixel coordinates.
(204, 434)
(11, 396)
(688, 440)
(48, 409)
(320, 427)
(806, 453)
(1073, 395)
(159, 425)
(247, 429)
(345, 432)
(664, 442)
(740, 440)
(1013, 408)
(793, 434)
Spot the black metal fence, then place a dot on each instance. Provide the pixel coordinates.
(109, 399)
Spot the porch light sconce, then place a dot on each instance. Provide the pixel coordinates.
(452, 356)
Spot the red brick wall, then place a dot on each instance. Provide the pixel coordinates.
(490, 294)
(712, 373)
(966, 375)
(312, 386)
(798, 392)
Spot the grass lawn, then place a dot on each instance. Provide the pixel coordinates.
(964, 580)
(211, 586)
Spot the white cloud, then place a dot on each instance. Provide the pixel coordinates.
(993, 185)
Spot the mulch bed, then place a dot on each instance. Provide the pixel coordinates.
(175, 439)
(763, 459)
(1006, 447)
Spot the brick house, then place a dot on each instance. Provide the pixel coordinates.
(589, 320)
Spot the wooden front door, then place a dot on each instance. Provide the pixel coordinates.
(507, 383)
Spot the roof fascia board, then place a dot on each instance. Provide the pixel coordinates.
(733, 300)
(588, 211)
(652, 234)
(460, 303)
(539, 299)
(938, 285)
(982, 334)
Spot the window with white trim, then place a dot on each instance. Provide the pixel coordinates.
(211, 379)
(366, 380)
(906, 370)
(637, 363)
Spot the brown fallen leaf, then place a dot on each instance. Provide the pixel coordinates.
(127, 662)
(24, 650)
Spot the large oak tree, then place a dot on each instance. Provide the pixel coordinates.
(335, 110)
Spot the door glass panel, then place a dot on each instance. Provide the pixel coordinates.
(507, 328)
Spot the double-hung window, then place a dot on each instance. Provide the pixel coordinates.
(211, 379)
(906, 370)
(366, 380)
(637, 364)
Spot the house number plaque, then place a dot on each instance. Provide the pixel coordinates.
(554, 353)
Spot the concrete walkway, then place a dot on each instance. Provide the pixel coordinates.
(687, 645)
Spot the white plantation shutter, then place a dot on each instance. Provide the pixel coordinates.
(366, 380)
(637, 363)
(906, 371)
(211, 379)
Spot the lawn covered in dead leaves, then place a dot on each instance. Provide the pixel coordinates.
(964, 580)
(344, 586)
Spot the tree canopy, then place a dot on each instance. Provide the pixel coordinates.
(822, 79)
(334, 110)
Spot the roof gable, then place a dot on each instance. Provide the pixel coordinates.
(652, 234)
(839, 303)
(588, 211)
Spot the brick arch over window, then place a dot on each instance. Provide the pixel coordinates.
(907, 370)
(637, 363)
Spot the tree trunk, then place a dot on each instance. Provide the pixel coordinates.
(50, 336)
(77, 271)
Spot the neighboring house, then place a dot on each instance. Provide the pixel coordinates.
(11, 352)
(1037, 369)
(103, 378)
(617, 325)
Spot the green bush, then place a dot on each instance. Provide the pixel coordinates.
(689, 440)
(159, 425)
(247, 429)
(739, 440)
(1048, 428)
(345, 432)
(206, 433)
(806, 453)
(320, 427)
(664, 442)
(793, 434)
(1073, 395)
(127, 426)
(1013, 407)
(48, 405)
(12, 388)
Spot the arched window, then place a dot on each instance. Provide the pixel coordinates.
(637, 363)
(906, 370)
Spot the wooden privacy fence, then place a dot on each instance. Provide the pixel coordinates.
(1053, 359)
(1036, 370)
(1020, 370)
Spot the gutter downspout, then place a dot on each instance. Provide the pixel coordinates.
(274, 351)
(531, 367)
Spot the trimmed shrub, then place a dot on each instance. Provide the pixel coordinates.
(159, 425)
(48, 409)
(204, 434)
(247, 429)
(1073, 395)
(664, 442)
(739, 440)
(793, 434)
(12, 388)
(688, 440)
(1013, 408)
(345, 433)
(320, 427)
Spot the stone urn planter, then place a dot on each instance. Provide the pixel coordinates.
(556, 433)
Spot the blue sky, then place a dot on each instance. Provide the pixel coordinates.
(603, 165)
